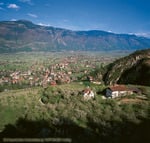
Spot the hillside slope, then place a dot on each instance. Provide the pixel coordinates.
(133, 69)
(24, 116)
(23, 35)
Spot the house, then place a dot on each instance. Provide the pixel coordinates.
(53, 83)
(88, 93)
(118, 90)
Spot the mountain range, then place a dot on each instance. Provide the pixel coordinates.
(23, 35)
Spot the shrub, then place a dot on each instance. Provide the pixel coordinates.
(44, 99)
(51, 95)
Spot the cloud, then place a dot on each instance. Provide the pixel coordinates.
(32, 15)
(26, 1)
(13, 6)
(42, 24)
(110, 31)
(1, 3)
(143, 34)
(13, 19)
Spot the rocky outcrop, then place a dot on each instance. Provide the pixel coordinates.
(133, 69)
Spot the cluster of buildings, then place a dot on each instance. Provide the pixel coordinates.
(64, 71)
(112, 91)
(36, 78)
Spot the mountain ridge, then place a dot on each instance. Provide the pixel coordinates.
(23, 35)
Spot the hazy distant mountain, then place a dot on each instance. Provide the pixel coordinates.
(23, 35)
(132, 69)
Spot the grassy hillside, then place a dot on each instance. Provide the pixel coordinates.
(23, 114)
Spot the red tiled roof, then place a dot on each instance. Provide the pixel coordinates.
(119, 88)
(53, 83)
(87, 90)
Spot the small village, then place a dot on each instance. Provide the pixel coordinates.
(70, 69)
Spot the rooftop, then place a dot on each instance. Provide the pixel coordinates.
(119, 88)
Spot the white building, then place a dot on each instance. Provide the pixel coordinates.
(118, 90)
(88, 94)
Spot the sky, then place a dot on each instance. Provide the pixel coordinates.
(117, 16)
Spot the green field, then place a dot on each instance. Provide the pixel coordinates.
(23, 60)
